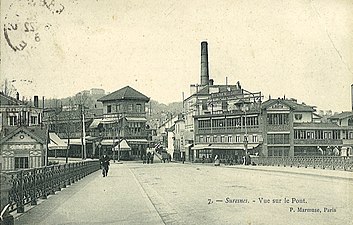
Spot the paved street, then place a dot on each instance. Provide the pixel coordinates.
(173, 193)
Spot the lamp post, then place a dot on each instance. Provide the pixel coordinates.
(99, 149)
(113, 149)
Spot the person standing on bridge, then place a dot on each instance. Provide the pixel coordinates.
(105, 164)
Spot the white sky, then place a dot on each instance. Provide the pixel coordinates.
(300, 49)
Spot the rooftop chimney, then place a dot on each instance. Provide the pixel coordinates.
(17, 96)
(36, 101)
(204, 64)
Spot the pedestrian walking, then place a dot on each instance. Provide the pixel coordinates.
(144, 159)
(152, 157)
(104, 161)
(148, 157)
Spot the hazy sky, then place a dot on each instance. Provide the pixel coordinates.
(300, 49)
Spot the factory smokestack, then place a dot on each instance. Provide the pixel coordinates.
(204, 64)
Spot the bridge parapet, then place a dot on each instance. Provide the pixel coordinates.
(323, 162)
(26, 186)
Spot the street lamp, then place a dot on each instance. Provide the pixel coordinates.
(99, 149)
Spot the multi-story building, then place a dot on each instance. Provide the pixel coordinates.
(24, 140)
(228, 121)
(179, 142)
(165, 133)
(345, 121)
(123, 125)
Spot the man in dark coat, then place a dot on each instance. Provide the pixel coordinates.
(105, 164)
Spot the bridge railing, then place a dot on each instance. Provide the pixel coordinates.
(323, 162)
(28, 185)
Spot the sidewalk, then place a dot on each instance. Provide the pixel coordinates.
(115, 199)
(328, 173)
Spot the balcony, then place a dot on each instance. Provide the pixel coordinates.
(317, 142)
(282, 127)
(228, 130)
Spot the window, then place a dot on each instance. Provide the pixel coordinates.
(298, 116)
(350, 122)
(222, 138)
(138, 108)
(208, 139)
(237, 138)
(278, 138)
(215, 138)
(130, 107)
(350, 135)
(13, 120)
(21, 162)
(218, 123)
(204, 105)
(204, 123)
(230, 139)
(277, 119)
(109, 108)
(201, 139)
(327, 135)
(33, 120)
(254, 138)
(224, 105)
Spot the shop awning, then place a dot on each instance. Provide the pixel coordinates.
(123, 145)
(95, 123)
(200, 146)
(239, 146)
(56, 142)
(137, 141)
(136, 119)
(187, 146)
(74, 141)
(108, 141)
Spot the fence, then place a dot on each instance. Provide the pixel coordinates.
(323, 162)
(28, 185)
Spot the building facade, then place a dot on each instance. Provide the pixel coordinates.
(23, 136)
(124, 118)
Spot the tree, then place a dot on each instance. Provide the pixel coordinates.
(7, 88)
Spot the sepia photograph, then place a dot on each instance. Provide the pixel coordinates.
(176, 112)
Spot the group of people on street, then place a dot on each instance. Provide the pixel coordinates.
(148, 158)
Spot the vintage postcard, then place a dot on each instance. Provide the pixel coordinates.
(176, 112)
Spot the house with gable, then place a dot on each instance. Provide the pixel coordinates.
(23, 147)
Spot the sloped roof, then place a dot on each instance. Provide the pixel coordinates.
(342, 115)
(37, 133)
(8, 100)
(290, 103)
(125, 93)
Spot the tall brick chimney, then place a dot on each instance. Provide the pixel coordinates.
(204, 64)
